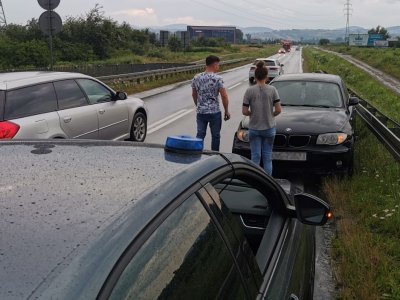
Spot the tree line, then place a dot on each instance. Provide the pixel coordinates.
(84, 39)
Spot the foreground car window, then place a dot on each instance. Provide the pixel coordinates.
(185, 258)
(30, 101)
(302, 93)
(250, 209)
(95, 92)
(69, 94)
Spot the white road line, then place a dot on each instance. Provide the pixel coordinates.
(183, 113)
(155, 124)
(233, 86)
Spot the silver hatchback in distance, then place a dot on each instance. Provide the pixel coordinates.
(48, 105)
(275, 68)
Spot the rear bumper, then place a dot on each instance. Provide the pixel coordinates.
(319, 161)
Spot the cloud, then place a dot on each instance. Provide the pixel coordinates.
(192, 21)
(139, 17)
(146, 12)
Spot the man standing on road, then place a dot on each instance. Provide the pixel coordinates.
(206, 87)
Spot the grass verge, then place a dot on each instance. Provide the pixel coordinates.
(366, 251)
(384, 59)
(359, 81)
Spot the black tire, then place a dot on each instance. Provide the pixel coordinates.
(251, 80)
(139, 127)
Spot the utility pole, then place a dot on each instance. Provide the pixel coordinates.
(347, 10)
(3, 21)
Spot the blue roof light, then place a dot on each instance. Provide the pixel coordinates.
(184, 144)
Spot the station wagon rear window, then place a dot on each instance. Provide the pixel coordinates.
(30, 101)
(69, 94)
(266, 62)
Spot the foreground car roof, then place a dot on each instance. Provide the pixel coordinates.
(309, 77)
(61, 203)
(18, 79)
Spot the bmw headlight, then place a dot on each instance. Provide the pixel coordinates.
(243, 135)
(331, 139)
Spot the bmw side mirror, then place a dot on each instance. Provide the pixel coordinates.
(121, 96)
(311, 210)
(353, 101)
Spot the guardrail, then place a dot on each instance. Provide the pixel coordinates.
(140, 77)
(385, 129)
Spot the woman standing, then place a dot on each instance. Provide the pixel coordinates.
(262, 104)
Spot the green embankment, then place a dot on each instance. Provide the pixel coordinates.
(384, 59)
(366, 251)
(360, 82)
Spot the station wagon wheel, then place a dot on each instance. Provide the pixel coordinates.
(139, 127)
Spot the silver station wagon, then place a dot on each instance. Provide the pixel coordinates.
(49, 105)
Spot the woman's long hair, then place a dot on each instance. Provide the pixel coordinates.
(261, 71)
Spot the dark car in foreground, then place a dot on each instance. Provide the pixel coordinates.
(315, 131)
(115, 220)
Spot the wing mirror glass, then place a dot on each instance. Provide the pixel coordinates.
(121, 96)
(353, 101)
(312, 210)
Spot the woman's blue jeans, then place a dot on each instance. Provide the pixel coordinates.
(261, 143)
(215, 121)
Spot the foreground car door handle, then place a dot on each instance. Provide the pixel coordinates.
(67, 119)
(102, 111)
(293, 297)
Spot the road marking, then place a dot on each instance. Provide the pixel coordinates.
(233, 86)
(245, 80)
(168, 120)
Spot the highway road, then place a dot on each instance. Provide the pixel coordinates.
(173, 112)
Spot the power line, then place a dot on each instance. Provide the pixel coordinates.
(3, 21)
(348, 9)
(276, 16)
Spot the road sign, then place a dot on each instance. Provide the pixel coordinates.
(49, 4)
(50, 22)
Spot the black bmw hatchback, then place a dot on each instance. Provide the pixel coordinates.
(114, 220)
(315, 131)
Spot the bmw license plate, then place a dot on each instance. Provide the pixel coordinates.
(291, 156)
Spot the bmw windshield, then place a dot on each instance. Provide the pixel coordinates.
(309, 93)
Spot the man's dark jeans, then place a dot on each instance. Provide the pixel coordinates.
(215, 121)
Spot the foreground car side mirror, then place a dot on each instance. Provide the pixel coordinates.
(121, 96)
(353, 101)
(311, 210)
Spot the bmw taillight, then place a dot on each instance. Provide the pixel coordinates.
(8, 130)
(274, 69)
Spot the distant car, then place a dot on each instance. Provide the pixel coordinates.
(275, 68)
(50, 105)
(122, 220)
(297, 48)
(315, 131)
(281, 51)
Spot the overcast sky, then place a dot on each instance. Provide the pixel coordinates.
(286, 14)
